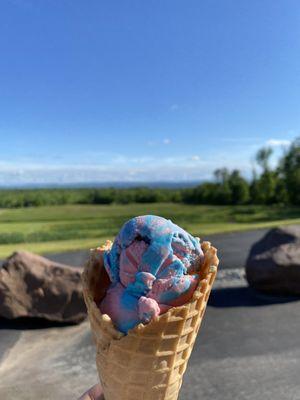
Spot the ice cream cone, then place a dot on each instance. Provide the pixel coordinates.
(149, 362)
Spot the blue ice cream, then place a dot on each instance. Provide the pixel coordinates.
(152, 266)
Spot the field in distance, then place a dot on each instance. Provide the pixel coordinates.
(73, 227)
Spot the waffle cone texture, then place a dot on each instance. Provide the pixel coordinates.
(149, 362)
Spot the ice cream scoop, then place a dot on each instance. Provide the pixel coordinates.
(149, 361)
(152, 266)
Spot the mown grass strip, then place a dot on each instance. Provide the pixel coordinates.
(71, 227)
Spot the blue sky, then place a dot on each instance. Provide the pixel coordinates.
(105, 90)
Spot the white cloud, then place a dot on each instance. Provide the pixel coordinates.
(166, 141)
(119, 168)
(278, 142)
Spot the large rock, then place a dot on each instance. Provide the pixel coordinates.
(33, 286)
(273, 264)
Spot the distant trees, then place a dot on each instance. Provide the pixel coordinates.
(229, 188)
(223, 189)
(262, 158)
(266, 184)
(289, 172)
(232, 188)
(239, 188)
(280, 185)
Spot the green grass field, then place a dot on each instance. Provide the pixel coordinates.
(72, 227)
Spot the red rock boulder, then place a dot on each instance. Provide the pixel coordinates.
(273, 265)
(33, 286)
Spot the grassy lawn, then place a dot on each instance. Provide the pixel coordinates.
(71, 227)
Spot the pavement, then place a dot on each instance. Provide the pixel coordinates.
(248, 348)
(233, 248)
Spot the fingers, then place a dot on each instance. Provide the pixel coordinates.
(94, 393)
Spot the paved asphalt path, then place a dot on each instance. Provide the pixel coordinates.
(248, 347)
(233, 249)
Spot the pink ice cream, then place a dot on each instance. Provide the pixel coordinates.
(152, 266)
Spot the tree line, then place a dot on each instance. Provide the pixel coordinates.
(278, 185)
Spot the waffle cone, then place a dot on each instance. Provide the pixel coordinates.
(149, 362)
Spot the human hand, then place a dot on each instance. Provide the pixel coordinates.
(94, 393)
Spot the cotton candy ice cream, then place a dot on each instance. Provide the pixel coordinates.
(152, 266)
